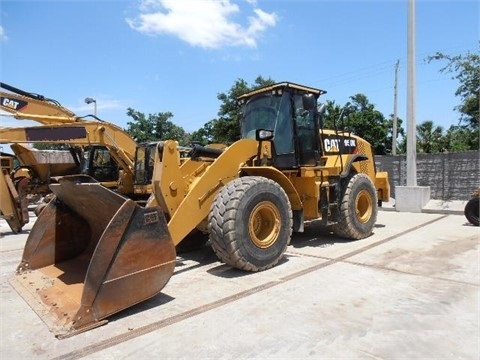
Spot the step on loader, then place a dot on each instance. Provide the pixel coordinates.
(93, 252)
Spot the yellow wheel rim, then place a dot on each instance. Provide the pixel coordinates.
(264, 224)
(363, 206)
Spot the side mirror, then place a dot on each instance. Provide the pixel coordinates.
(321, 109)
(309, 102)
(320, 112)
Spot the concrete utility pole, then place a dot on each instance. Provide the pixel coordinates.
(411, 198)
(394, 130)
(411, 122)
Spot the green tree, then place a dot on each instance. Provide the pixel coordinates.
(155, 127)
(332, 116)
(429, 138)
(454, 139)
(400, 134)
(203, 135)
(361, 118)
(465, 68)
(225, 128)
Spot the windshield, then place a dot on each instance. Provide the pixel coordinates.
(260, 113)
(270, 112)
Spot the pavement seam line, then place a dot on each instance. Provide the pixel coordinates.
(410, 273)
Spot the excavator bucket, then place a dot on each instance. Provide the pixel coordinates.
(90, 254)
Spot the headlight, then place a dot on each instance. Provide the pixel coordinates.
(263, 134)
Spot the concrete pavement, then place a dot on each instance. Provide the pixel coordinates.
(452, 207)
(411, 290)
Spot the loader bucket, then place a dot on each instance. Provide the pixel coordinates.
(90, 254)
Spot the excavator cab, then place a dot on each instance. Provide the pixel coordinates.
(100, 165)
(144, 163)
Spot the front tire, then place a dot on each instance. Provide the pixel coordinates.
(358, 208)
(250, 223)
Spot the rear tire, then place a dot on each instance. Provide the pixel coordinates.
(472, 210)
(358, 208)
(250, 223)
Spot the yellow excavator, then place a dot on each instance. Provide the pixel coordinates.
(93, 252)
(98, 148)
(104, 140)
(15, 182)
(62, 126)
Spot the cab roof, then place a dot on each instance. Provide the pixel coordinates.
(281, 86)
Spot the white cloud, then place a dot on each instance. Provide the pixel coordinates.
(3, 35)
(203, 23)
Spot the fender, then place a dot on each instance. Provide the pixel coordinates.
(279, 177)
(351, 159)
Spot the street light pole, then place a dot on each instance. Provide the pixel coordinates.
(394, 130)
(90, 100)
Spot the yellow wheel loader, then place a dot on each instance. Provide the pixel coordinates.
(93, 252)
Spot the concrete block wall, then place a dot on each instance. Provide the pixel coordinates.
(451, 176)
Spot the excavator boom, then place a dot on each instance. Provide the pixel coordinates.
(22, 104)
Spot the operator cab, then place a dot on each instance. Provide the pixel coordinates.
(144, 163)
(99, 164)
(289, 112)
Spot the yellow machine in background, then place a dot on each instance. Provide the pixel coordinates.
(103, 140)
(110, 253)
(98, 149)
(62, 126)
(13, 196)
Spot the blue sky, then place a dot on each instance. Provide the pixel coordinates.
(177, 55)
